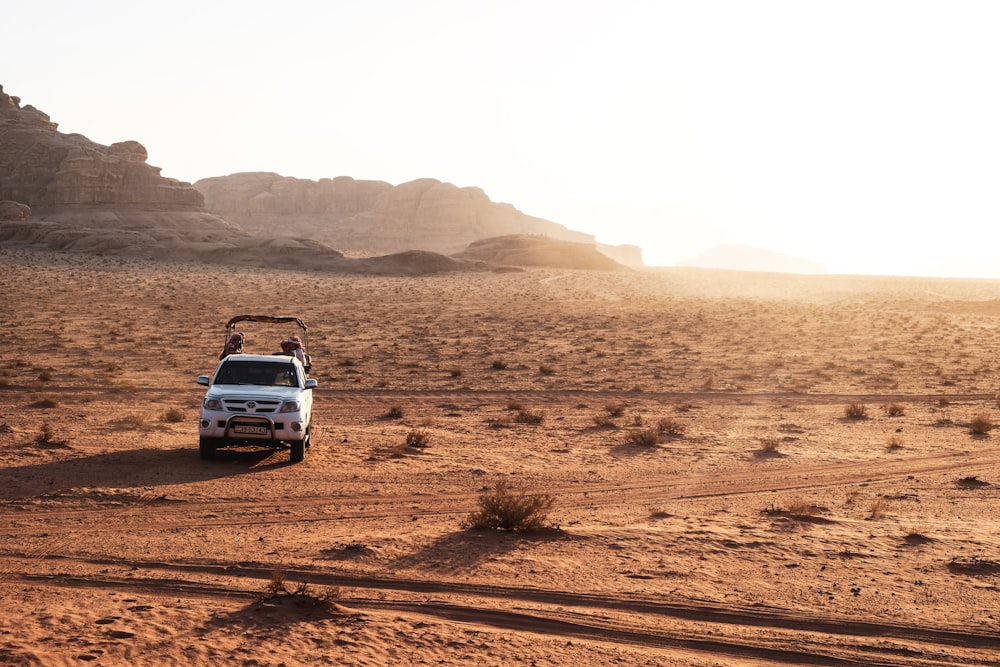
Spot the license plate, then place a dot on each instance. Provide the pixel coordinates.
(252, 430)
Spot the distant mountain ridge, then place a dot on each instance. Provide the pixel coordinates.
(375, 217)
(747, 258)
(65, 192)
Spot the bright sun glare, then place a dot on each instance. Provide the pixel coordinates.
(860, 135)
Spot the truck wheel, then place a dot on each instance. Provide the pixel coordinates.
(298, 451)
(206, 448)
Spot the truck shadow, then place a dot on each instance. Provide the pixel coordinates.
(133, 468)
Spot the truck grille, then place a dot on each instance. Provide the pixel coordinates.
(251, 406)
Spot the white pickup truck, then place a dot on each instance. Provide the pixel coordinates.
(257, 399)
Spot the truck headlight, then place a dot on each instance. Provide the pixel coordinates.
(212, 404)
(290, 406)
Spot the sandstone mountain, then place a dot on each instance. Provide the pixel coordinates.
(747, 258)
(375, 217)
(65, 192)
(525, 250)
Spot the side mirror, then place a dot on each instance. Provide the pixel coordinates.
(203, 380)
(310, 383)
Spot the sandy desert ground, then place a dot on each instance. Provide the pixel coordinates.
(762, 526)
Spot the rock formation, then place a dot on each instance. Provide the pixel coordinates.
(527, 250)
(41, 167)
(374, 217)
(64, 192)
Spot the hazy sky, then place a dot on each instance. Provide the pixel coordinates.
(861, 135)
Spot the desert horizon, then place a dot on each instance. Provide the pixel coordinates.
(743, 469)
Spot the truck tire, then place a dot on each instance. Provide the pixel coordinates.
(206, 448)
(298, 450)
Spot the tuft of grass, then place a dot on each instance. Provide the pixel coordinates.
(278, 586)
(895, 443)
(670, 427)
(418, 439)
(604, 421)
(501, 508)
(769, 446)
(514, 406)
(801, 507)
(981, 424)
(615, 409)
(45, 434)
(499, 365)
(45, 376)
(856, 410)
(395, 412)
(527, 417)
(894, 410)
(646, 437)
(172, 416)
(878, 509)
(546, 370)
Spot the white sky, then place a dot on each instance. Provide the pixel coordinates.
(861, 135)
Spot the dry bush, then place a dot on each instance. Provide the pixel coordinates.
(45, 434)
(604, 421)
(894, 410)
(45, 376)
(526, 417)
(499, 365)
(895, 443)
(615, 409)
(981, 424)
(172, 416)
(395, 412)
(856, 411)
(418, 439)
(943, 402)
(45, 403)
(801, 507)
(277, 586)
(879, 508)
(134, 420)
(769, 446)
(514, 406)
(647, 437)
(455, 372)
(500, 508)
(546, 370)
(670, 427)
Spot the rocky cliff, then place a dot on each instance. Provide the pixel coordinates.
(64, 192)
(42, 167)
(375, 217)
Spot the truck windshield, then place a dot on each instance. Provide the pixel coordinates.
(257, 372)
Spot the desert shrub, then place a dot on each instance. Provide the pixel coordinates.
(895, 442)
(546, 370)
(514, 406)
(45, 376)
(981, 424)
(526, 417)
(801, 507)
(856, 411)
(604, 420)
(172, 416)
(395, 412)
(615, 409)
(501, 508)
(894, 410)
(277, 585)
(670, 427)
(44, 434)
(769, 445)
(455, 372)
(499, 365)
(45, 403)
(943, 401)
(134, 420)
(418, 439)
(647, 437)
(879, 508)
